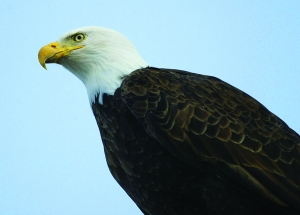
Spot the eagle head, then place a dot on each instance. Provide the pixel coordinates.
(98, 56)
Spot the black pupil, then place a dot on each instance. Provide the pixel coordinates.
(78, 37)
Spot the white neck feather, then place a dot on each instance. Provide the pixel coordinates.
(106, 57)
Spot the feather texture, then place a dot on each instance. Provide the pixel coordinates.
(183, 143)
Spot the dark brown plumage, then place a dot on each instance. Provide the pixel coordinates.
(183, 143)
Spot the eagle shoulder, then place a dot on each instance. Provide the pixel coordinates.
(200, 119)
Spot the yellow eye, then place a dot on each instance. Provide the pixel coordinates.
(78, 37)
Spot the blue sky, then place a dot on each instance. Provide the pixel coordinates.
(51, 154)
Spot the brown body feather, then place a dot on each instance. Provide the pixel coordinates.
(183, 143)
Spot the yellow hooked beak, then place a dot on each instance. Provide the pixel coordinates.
(52, 53)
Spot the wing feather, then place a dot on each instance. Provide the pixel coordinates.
(203, 119)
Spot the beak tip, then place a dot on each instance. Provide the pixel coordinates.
(43, 64)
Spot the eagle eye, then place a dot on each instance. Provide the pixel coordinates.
(78, 37)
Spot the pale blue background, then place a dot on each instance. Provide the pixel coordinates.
(51, 155)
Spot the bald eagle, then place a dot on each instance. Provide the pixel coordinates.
(179, 142)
